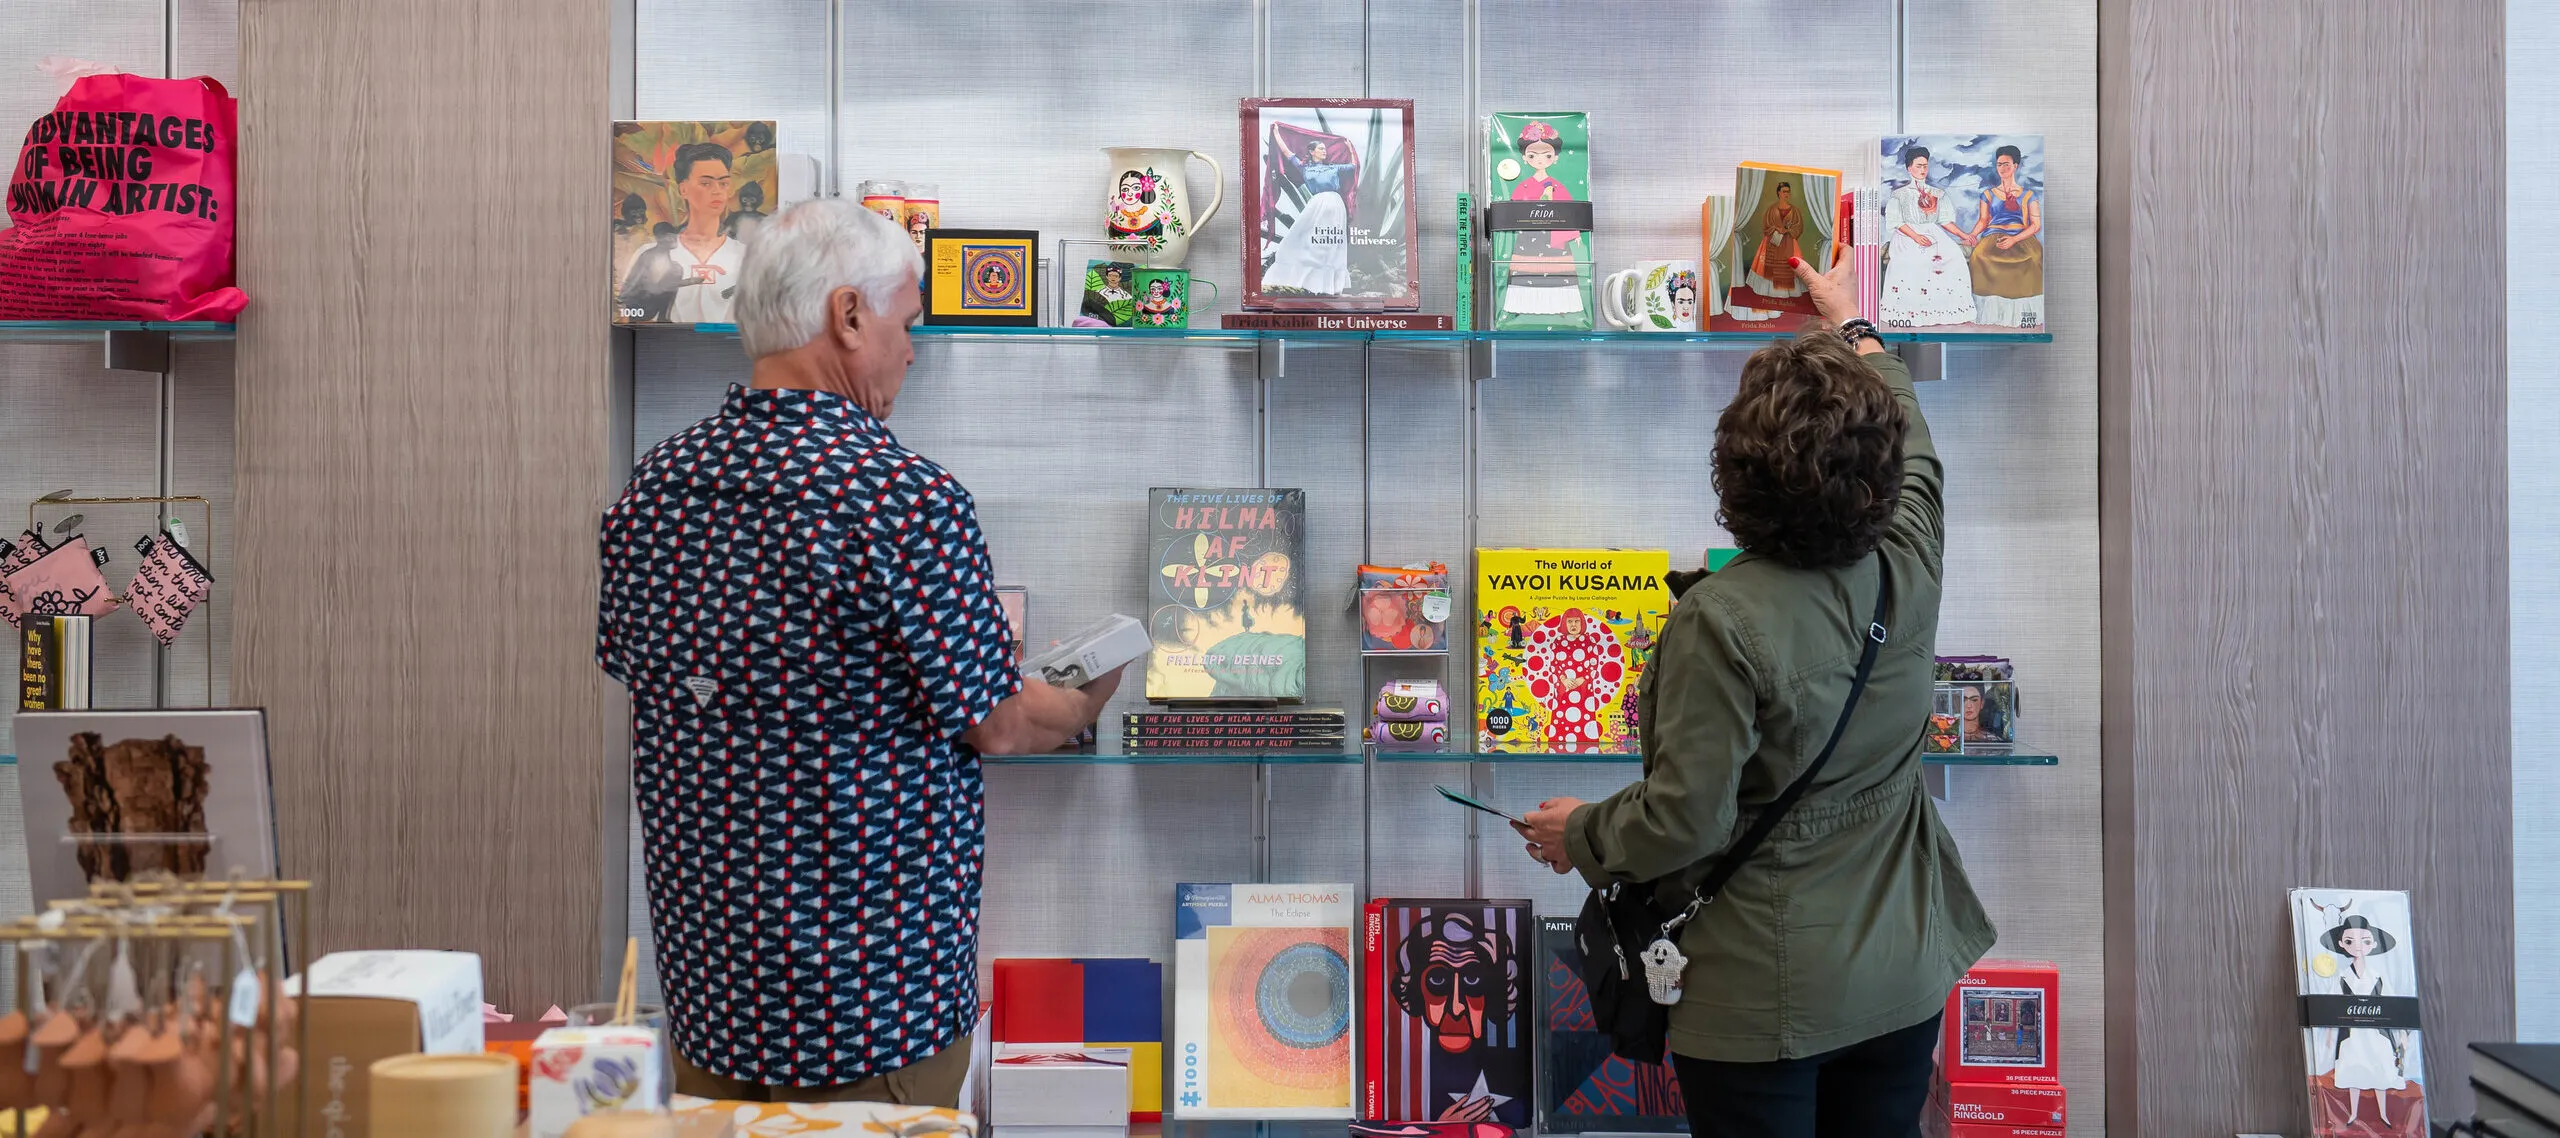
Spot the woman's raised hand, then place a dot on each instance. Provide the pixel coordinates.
(1832, 294)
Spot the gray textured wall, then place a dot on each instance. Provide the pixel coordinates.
(2305, 529)
(2533, 502)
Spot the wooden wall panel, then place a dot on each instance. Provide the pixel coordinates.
(2304, 529)
(423, 450)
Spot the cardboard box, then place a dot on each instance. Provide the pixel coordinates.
(2003, 1025)
(579, 1071)
(2001, 1104)
(363, 1006)
(1052, 1085)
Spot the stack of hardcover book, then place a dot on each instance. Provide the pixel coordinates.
(2517, 1086)
(1277, 729)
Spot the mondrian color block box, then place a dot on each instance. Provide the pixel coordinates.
(1115, 1002)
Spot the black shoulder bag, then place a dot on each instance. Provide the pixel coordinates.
(1623, 927)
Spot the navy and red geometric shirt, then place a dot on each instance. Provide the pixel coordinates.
(806, 618)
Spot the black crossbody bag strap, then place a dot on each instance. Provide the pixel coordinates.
(1740, 852)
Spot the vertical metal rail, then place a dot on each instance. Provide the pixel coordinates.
(1364, 49)
(1901, 66)
(1263, 367)
(166, 427)
(1262, 478)
(1478, 775)
(1368, 554)
(832, 183)
(1262, 48)
(1368, 550)
(1478, 365)
(1932, 775)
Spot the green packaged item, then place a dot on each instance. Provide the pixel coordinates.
(1538, 214)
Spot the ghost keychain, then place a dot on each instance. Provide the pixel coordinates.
(1662, 960)
(1662, 967)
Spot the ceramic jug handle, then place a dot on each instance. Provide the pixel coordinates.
(1613, 300)
(1217, 191)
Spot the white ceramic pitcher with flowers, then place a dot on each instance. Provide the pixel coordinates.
(1151, 219)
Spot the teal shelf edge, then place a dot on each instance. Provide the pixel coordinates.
(1324, 758)
(1233, 337)
(1525, 759)
(65, 331)
(1178, 758)
(1683, 339)
(1992, 760)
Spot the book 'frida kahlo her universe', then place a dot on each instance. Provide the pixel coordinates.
(2356, 962)
(1262, 1001)
(1562, 638)
(687, 198)
(1446, 1006)
(1329, 218)
(1223, 600)
(1583, 1086)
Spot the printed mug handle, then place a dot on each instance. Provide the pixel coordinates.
(1217, 191)
(1613, 299)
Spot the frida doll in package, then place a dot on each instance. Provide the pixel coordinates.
(1542, 278)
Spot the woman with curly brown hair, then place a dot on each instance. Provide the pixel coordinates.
(1810, 996)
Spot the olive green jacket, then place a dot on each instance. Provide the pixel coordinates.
(1855, 918)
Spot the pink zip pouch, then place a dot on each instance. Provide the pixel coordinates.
(168, 586)
(63, 582)
(13, 557)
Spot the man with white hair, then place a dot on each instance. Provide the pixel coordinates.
(806, 618)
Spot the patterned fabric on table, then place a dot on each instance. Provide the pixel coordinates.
(762, 1119)
(805, 615)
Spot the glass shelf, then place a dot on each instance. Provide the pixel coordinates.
(1684, 339)
(1279, 758)
(1178, 758)
(1992, 760)
(73, 331)
(1502, 758)
(1240, 336)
